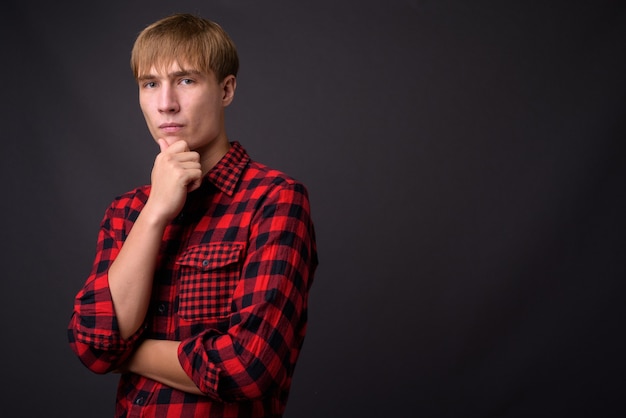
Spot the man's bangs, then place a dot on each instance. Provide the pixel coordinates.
(162, 54)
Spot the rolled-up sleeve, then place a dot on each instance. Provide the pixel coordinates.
(256, 356)
(93, 331)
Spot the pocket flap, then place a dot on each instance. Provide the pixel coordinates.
(211, 256)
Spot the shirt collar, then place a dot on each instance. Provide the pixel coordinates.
(226, 173)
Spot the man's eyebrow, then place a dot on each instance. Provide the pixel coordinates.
(145, 77)
(181, 73)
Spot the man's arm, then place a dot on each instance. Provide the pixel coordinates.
(256, 356)
(131, 274)
(176, 171)
(112, 304)
(158, 360)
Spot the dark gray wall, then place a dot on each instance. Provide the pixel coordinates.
(466, 167)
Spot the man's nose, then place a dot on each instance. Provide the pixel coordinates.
(168, 102)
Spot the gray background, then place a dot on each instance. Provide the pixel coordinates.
(466, 166)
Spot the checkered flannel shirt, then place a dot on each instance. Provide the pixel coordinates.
(231, 284)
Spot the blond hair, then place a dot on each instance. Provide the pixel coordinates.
(187, 40)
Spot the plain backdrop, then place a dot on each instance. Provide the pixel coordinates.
(466, 166)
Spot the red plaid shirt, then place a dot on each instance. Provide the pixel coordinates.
(232, 282)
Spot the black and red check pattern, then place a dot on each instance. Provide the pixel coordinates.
(232, 285)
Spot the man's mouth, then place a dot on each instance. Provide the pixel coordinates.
(170, 127)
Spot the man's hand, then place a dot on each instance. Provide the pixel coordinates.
(176, 172)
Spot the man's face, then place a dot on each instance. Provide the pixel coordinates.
(184, 104)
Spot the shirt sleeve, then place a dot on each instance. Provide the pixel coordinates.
(93, 330)
(257, 355)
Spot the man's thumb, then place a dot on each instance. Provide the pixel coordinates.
(162, 144)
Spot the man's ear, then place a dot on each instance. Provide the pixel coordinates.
(229, 85)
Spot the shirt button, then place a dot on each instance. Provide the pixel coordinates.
(161, 308)
(139, 400)
(205, 263)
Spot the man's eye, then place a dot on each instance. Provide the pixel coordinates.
(186, 81)
(149, 84)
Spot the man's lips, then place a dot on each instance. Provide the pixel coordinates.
(170, 127)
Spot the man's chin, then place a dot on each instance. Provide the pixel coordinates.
(170, 140)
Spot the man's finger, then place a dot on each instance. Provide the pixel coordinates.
(174, 148)
(162, 144)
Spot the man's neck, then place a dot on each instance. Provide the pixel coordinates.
(213, 153)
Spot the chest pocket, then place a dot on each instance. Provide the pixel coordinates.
(209, 274)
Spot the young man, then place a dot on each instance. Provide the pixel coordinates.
(198, 292)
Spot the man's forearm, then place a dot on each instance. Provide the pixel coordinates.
(132, 272)
(158, 360)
